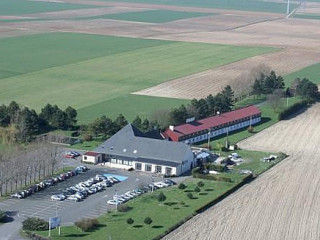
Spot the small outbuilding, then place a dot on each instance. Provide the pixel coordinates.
(92, 157)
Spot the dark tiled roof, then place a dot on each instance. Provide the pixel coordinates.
(92, 154)
(132, 144)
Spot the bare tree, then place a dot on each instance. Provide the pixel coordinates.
(275, 99)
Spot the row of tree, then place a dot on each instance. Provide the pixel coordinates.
(20, 167)
(21, 124)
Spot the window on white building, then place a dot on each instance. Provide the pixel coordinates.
(148, 167)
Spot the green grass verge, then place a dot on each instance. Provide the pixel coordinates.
(127, 65)
(19, 7)
(307, 16)
(152, 16)
(247, 5)
(312, 73)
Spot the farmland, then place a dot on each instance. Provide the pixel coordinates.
(83, 76)
(286, 196)
(311, 72)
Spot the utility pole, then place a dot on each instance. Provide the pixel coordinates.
(288, 7)
(209, 133)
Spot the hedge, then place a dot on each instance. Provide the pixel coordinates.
(86, 224)
(196, 174)
(35, 224)
(292, 109)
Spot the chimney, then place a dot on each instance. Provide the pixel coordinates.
(171, 127)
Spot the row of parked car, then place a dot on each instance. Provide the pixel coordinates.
(81, 190)
(119, 199)
(49, 182)
(71, 154)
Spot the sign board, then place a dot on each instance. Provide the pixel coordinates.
(188, 120)
(54, 222)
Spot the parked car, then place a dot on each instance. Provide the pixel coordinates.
(16, 195)
(68, 156)
(170, 182)
(73, 198)
(57, 197)
(114, 202)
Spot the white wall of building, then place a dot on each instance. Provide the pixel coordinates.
(221, 131)
(91, 159)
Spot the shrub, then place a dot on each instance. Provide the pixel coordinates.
(75, 134)
(123, 208)
(182, 186)
(2, 216)
(215, 167)
(197, 174)
(200, 184)
(86, 224)
(35, 224)
(250, 129)
(88, 137)
(148, 220)
(130, 221)
(161, 197)
(190, 196)
(197, 189)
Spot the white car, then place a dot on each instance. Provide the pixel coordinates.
(74, 198)
(114, 202)
(160, 184)
(56, 198)
(119, 198)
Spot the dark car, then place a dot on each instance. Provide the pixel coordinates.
(170, 182)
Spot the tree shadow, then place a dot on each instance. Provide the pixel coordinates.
(186, 205)
(95, 228)
(170, 203)
(157, 226)
(138, 226)
(76, 235)
(209, 189)
(188, 190)
(176, 208)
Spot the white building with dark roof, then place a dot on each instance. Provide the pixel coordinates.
(130, 148)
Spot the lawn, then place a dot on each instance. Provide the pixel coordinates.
(63, 75)
(152, 16)
(164, 215)
(311, 72)
(244, 5)
(18, 7)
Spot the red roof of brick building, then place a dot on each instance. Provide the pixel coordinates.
(210, 122)
(92, 154)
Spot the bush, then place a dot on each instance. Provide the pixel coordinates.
(88, 137)
(215, 167)
(190, 196)
(124, 208)
(200, 184)
(86, 224)
(148, 220)
(35, 224)
(130, 221)
(161, 197)
(2, 216)
(250, 129)
(75, 134)
(197, 189)
(197, 174)
(182, 186)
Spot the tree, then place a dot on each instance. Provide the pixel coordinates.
(197, 189)
(71, 116)
(200, 184)
(203, 109)
(145, 126)
(182, 186)
(190, 195)
(307, 89)
(178, 115)
(119, 123)
(258, 86)
(228, 93)
(148, 220)
(275, 99)
(137, 122)
(161, 197)
(130, 221)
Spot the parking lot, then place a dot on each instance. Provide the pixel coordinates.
(40, 205)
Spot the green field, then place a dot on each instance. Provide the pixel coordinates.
(307, 16)
(18, 7)
(311, 72)
(152, 16)
(88, 70)
(244, 5)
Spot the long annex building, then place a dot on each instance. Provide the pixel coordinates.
(201, 130)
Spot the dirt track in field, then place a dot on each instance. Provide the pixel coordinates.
(283, 203)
